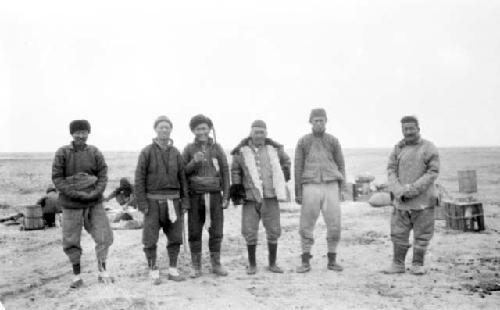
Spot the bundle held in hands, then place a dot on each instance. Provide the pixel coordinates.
(82, 182)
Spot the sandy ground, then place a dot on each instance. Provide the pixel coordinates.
(35, 273)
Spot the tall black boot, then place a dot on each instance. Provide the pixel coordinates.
(196, 265)
(173, 273)
(77, 280)
(150, 257)
(273, 251)
(252, 263)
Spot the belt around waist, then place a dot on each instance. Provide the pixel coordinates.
(162, 196)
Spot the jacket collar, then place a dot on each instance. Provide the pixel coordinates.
(319, 134)
(403, 143)
(246, 141)
(210, 141)
(73, 147)
(170, 142)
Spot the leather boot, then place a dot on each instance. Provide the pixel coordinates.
(273, 251)
(417, 267)
(398, 263)
(216, 266)
(252, 263)
(332, 263)
(305, 267)
(196, 265)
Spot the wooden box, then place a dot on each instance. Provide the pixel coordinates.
(464, 215)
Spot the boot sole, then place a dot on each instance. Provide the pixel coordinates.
(251, 272)
(270, 269)
(393, 272)
(106, 281)
(76, 284)
(176, 278)
(156, 282)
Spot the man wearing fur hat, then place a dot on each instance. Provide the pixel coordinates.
(319, 178)
(413, 167)
(79, 173)
(207, 172)
(161, 194)
(259, 171)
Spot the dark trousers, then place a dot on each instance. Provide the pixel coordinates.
(422, 223)
(50, 219)
(157, 218)
(196, 219)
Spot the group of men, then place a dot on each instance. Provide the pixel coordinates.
(200, 182)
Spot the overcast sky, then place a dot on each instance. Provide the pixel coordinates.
(120, 64)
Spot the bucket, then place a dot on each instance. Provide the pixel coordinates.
(33, 218)
(467, 181)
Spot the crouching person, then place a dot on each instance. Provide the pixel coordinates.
(259, 171)
(161, 193)
(79, 173)
(50, 206)
(207, 171)
(124, 194)
(413, 167)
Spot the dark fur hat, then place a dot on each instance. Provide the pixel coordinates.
(200, 119)
(259, 123)
(409, 119)
(79, 124)
(319, 112)
(162, 118)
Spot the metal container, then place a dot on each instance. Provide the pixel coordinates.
(467, 181)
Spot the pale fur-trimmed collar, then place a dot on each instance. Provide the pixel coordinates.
(279, 183)
(245, 142)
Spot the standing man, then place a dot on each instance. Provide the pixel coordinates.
(259, 171)
(207, 171)
(413, 167)
(319, 178)
(79, 173)
(160, 188)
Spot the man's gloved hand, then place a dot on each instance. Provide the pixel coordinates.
(198, 157)
(143, 207)
(74, 194)
(298, 200)
(81, 195)
(92, 195)
(237, 194)
(409, 192)
(225, 203)
(185, 205)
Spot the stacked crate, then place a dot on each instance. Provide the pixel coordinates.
(465, 213)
